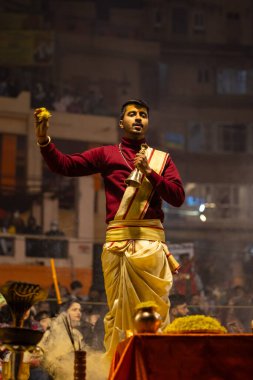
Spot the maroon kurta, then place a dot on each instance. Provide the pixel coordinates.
(114, 169)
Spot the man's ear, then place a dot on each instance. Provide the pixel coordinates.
(121, 123)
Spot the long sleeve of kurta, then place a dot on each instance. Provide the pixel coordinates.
(115, 167)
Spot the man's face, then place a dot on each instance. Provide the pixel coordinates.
(180, 310)
(134, 122)
(77, 291)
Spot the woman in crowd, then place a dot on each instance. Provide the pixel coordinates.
(61, 341)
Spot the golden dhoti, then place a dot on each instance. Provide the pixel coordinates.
(135, 270)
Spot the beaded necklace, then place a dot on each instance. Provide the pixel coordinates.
(124, 158)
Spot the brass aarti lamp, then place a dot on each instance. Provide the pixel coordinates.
(20, 297)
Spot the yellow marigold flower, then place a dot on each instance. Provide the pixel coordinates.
(44, 114)
(195, 323)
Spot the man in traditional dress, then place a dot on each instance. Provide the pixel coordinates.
(135, 258)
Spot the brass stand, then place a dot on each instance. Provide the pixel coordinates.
(15, 368)
(20, 297)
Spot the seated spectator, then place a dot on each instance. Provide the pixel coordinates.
(54, 229)
(76, 288)
(36, 371)
(178, 306)
(195, 306)
(32, 228)
(34, 247)
(54, 247)
(44, 319)
(43, 306)
(99, 331)
(187, 282)
(18, 222)
(94, 298)
(240, 311)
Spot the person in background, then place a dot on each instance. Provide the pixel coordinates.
(178, 306)
(188, 281)
(76, 288)
(135, 259)
(54, 229)
(33, 245)
(55, 247)
(18, 222)
(58, 357)
(44, 319)
(240, 310)
(197, 305)
(32, 228)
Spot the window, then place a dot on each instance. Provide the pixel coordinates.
(233, 16)
(203, 75)
(232, 81)
(163, 78)
(199, 22)
(174, 140)
(219, 201)
(150, 82)
(179, 21)
(233, 138)
(200, 138)
(158, 19)
(63, 187)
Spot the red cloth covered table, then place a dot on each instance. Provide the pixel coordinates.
(184, 357)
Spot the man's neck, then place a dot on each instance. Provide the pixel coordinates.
(133, 142)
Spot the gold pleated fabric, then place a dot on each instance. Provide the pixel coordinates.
(134, 271)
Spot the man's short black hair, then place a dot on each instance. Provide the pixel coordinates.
(176, 300)
(137, 102)
(76, 285)
(42, 315)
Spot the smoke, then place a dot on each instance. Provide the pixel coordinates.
(97, 367)
(58, 358)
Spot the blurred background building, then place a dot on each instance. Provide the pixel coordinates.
(191, 60)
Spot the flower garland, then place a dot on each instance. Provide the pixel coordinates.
(195, 323)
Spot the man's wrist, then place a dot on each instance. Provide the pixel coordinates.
(42, 140)
(148, 171)
(42, 143)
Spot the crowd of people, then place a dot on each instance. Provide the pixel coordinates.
(13, 223)
(231, 303)
(232, 307)
(84, 313)
(230, 300)
(68, 99)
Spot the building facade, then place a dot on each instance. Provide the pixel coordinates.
(192, 61)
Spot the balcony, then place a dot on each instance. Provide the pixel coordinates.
(38, 249)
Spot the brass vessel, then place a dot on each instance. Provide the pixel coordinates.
(147, 319)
